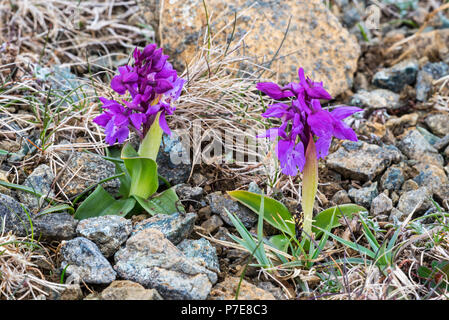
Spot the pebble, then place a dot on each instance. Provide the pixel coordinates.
(187, 192)
(218, 204)
(376, 99)
(415, 200)
(51, 226)
(430, 176)
(392, 179)
(364, 196)
(201, 252)
(416, 147)
(341, 197)
(153, 261)
(431, 138)
(398, 76)
(409, 185)
(107, 232)
(82, 258)
(175, 227)
(362, 161)
(438, 123)
(128, 290)
(227, 289)
(428, 73)
(40, 180)
(212, 224)
(381, 205)
(85, 169)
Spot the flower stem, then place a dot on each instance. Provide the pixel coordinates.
(309, 186)
(149, 147)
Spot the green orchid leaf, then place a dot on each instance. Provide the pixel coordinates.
(274, 211)
(322, 219)
(100, 203)
(142, 171)
(165, 203)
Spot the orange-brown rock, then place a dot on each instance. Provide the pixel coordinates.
(227, 290)
(314, 39)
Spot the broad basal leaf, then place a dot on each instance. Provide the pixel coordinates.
(323, 218)
(274, 211)
(166, 203)
(100, 203)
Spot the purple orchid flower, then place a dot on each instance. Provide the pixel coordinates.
(302, 119)
(154, 86)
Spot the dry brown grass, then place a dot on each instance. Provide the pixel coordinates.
(20, 276)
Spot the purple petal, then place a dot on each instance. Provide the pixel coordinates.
(117, 85)
(343, 132)
(130, 77)
(163, 86)
(321, 123)
(102, 119)
(120, 120)
(343, 112)
(137, 119)
(163, 124)
(122, 134)
(277, 110)
(273, 90)
(322, 146)
(318, 92)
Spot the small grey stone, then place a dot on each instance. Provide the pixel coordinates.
(409, 185)
(218, 204)
(107, 232)
(201, 252)
(364, 196)
(396, 77)
(83, 259)
(176, 227)
(275, 291)
(128, 290)
(416, 147)
(430, 137)
(376, 99)
(381, 205)
(51, 226)
(40, 180)
(438, 123)
(430, 176)
(86, 169)
(341, 197)
(362, 161)
(186, 192)
(415, 200)
(212, 224)
(429, 72)
(55, 226)
(151, 260)
(351, 17)
(392, 179)
(397, 214)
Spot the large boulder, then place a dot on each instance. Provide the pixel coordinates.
(313, 39)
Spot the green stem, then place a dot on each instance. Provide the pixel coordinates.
(149, 146)
(309, 185)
